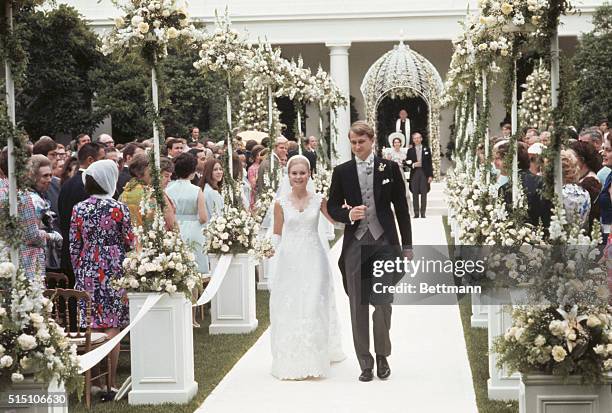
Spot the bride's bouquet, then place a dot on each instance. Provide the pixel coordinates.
(31, 342)
(322, 181)
(163, 262)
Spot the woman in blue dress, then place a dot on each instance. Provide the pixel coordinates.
(191, 213)
(211, 182)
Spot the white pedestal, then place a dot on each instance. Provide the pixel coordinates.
(480, 312)
(264, 274)
(501, 385)
(162, 351)
(549, 394)
(29, 386)
(232, 309)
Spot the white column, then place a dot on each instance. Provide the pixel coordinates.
(339, 71)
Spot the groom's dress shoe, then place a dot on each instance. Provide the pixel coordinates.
(366, 375)
(382, 367)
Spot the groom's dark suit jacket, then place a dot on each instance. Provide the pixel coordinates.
(345, 189)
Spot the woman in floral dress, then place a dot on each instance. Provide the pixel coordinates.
(100, 235)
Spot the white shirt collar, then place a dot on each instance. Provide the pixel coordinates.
(368, 160)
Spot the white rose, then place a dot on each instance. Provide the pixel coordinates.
(49, 351)
(599, 349)
(134, 283)
(166, 13)
(36, 318)
(557, 328)
(7, 269)
(172, 33)
(119, 22)
(6, 362)
(26, 342)
(17, 377)
(224, 248)
(559, 353)
(539, 341)
(144, 28)
(136, 20)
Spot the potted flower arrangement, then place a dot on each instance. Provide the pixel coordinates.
(233, 306)
(33, 347)
(161, 263)
(563, 354)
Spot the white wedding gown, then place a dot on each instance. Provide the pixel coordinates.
(305, 334)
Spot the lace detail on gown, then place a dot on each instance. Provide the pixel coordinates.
(305, 335)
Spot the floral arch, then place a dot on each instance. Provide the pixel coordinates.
(403, 73)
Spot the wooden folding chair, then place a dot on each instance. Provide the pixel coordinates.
(83, 337)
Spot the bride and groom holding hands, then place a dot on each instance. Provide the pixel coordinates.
(305, 335)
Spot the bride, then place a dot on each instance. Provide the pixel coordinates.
(305, 334)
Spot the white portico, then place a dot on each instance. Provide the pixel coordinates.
(347, 37)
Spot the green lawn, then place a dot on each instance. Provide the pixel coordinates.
(214, 356)
(477, 349)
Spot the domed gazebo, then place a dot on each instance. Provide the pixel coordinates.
(403, 73)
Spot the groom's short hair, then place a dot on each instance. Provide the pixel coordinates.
(360, 128)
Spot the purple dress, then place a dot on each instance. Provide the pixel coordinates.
(100, 235)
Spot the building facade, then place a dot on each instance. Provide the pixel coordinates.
(346, 37)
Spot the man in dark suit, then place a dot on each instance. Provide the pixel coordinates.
(360, 196)
(73, 192)
(419, 160)
(310, 152)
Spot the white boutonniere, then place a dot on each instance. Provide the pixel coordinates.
(385, 181)
(409, 162)
(382, 166)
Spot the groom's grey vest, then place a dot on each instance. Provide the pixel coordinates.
(366, 183)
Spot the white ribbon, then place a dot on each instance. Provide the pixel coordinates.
(90, 359)
(215, 280)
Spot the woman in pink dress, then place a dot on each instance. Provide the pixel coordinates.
(259, 154)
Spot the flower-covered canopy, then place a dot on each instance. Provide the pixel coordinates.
(403, 73)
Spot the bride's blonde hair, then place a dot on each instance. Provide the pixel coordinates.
(298, 159)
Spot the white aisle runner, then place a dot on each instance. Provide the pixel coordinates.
(430, 372)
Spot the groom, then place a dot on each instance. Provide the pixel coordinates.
(368, 185)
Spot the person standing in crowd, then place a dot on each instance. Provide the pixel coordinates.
(500, 150)
(603, 128)
(576, 200)
(106, 140)
(200, 155)
(58, 169)
(40, 179)
(100, 236)
(421, 174)
(279, 153)
(539, 209)
(73, 192)
(258, 154)
(310, 152)
(506, 129)
(190, 205)
(47, 147)
(174, 147)
(133, 193)
(81, 140)
(605, 196)
(195, 134)
(31, 249)
(112, 154)
(587, 165)
(402, 125)
(211, 184)
(536, 162)
(129, 152)
(70, 168)
(166, 170)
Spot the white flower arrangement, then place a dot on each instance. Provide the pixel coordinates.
(525, 15)
(330, 94)
(322, 181)
(562, 341)
(224, 50)
(31, 342)
(299, 84)
(232, 233)
(253, 114)
(162, 261)
(263, 248)
(150, 25)
(535, 107)
(263, 202)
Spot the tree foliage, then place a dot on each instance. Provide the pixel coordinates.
(55, 96)
(592, 63)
